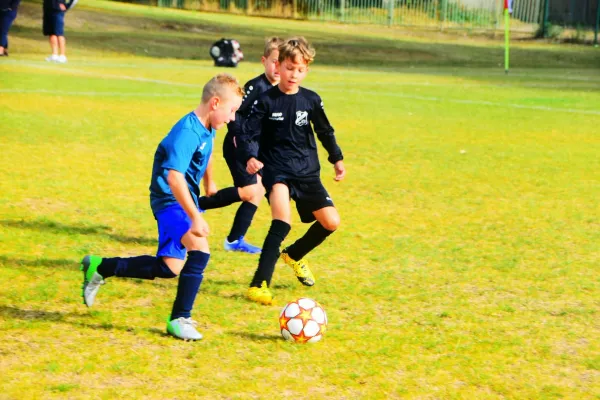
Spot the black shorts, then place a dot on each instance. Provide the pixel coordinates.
(309, 194)
(237, 168)
(54, 23)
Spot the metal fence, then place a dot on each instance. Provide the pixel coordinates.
(485, 15)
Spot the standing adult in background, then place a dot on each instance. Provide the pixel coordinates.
(8, 13)
(54, 24)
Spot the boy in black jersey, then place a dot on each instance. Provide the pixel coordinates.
(247, 187)
(278, 138)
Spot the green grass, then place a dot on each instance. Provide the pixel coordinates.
(466, 266)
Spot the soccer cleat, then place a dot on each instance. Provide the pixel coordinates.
(52, 58)
(92, 280)
(241, 245)
(260, 295)
(300, 268)
(61, 59)
(183, 328)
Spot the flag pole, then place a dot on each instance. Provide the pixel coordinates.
(506, 39)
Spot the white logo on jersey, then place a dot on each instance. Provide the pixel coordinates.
(328, 199)
(202, 147)
(322, 105)
(301, 118)
(276, 116)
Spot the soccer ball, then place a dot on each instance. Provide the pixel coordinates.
(302, 321)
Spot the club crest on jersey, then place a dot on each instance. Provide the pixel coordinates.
(301, 118)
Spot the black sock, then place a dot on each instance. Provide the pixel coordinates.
(143, 267)
(314, 236)
(270, 252)
(222, 198)
(242, 221)
(189, 284)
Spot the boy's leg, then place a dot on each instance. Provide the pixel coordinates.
(313, 203)
(180, 323)
(62, 45)
(54, 44)
(279, 198)
(96, 269)
(250, 191)
(327, 221)
(222, 198)
(251, 196)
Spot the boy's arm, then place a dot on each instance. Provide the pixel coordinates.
(247, 145)
(179, 147)
(210, 187)
(179, 187)
(326, 136)
(325, 133)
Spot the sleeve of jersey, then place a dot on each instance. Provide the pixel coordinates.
(247, 146)
(325, 132)
(179, 148)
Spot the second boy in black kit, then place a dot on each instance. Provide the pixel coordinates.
(278, 138)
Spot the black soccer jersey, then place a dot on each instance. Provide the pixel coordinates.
(281, 125)
(253, 88)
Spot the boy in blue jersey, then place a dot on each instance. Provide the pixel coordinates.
(181, 160)
(247, 187)
(278, 139)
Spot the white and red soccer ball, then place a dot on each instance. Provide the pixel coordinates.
(303, 321)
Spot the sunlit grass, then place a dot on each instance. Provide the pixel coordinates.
(466, 265)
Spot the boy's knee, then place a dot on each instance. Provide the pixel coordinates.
(252, 193)
(331, 223)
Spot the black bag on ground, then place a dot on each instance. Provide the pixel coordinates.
(226, 53)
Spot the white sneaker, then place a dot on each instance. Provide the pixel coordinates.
(52, 58)
(62, 59)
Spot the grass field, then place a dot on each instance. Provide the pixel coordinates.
(466, 266)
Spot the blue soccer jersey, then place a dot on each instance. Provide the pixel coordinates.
(187, 149)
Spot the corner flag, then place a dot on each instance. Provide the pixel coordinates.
(507, 11)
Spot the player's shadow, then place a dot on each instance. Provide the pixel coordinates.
(40, 262)
(70, 318)
(257, 337)
(45, 225)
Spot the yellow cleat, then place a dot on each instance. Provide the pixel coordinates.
(260, 295)
(300, 268)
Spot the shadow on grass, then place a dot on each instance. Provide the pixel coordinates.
(255, 336)
(69, 318)
(44, 225)
(40, 262)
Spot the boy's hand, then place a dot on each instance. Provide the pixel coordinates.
(253, 166)
(340, 170)
(62, 7)
(199, 227)
(210, 188)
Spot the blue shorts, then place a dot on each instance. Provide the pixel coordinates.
(54, 23)
(172, 223)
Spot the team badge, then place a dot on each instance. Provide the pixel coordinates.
(301, 118)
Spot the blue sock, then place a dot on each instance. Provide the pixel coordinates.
(189, 284)
(143, 267)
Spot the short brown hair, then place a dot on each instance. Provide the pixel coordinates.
(294, 47)
(272, 44)
(216, 86)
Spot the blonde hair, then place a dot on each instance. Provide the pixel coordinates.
(294, 47)
(216, 87)
(272, 44)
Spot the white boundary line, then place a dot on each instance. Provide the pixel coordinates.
(378, 93)
(99, 94)
(346, 70)
(472, 102)
(362, 92)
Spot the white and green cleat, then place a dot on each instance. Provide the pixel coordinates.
(92, 280)
(183, 328)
